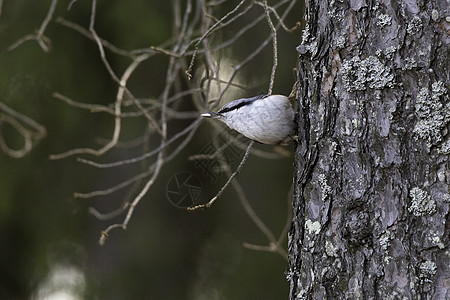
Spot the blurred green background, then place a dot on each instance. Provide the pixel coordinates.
(49, 241)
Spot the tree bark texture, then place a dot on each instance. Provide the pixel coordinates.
(371, 200)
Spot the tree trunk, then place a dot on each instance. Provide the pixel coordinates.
(371, 201)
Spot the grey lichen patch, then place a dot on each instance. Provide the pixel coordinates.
(385, 240)
(309, 44)
(438, 89)
(330, 249)
(333, 147)
(312, 47)
(303, 294)
(446, 198)
(333, 11)
(435, 239)
(340, 42)
(432, 113)
(384, 20)
(410, 63)
(427, 271)
(421, 203)
(414, 26)
(306, 34)
(435, 15)
(445, 148)
(389, 51)
(441, 175)
(428, 130)
(358, 75)
(312, 227)
(323, 186)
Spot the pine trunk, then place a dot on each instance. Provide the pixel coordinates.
(371, 200)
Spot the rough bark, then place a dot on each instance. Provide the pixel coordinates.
(371, 201)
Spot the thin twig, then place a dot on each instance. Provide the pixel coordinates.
(251, 212)
(145, 155)
(207, 205)
(191, 64)
(28, 143)
(31, 135)
(139, 176)
(94, 108)
(39, 36)
(135, 202)
(275, 48)
(72, 2)
(114, 188)
(117, 114)
(99, 43)
(275, 245)
(89, 35)
(254, 53)
(273, 10)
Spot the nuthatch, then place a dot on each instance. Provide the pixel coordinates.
(265, 119)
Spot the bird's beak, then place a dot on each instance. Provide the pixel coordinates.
(212, 115)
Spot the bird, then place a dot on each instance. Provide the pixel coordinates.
(267, 119)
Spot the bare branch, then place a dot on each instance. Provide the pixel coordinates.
(274, 245)
(146, 155)
(191, 64)
(39, 36)
(207, 205)
(99, 42)
(135, 202)
(117, 113)
(275, 48)
(72, 2)
(94, 108)
(18, 121)
(89, 35)
(280, 20)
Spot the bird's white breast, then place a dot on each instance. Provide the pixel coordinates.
(269, 120)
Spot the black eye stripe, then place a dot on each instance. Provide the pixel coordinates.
(240, 103)
(234, 107)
